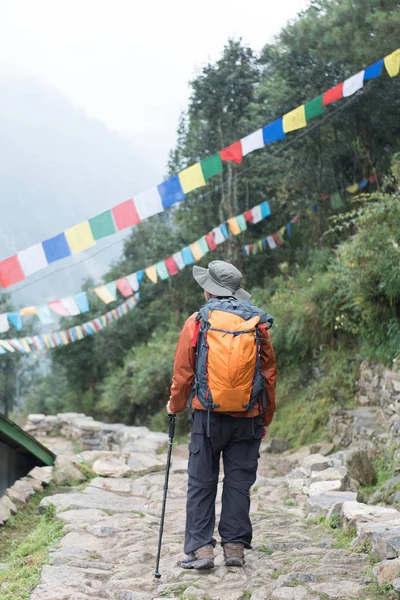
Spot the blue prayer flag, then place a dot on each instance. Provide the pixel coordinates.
(171, 191)
(224, 230)
(373, 71)
(265, 209)
(363, 184)
(274, 132)
(15, 319)
(139, 275)
(82, 301)
(187, 256)
(56, 248)
(2, 351)
(289, 229)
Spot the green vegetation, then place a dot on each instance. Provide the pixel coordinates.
(25, 541)
(333, 286)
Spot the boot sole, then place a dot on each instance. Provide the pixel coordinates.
(234, 561)
(204, 563)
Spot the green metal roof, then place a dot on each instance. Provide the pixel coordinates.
(12, 435)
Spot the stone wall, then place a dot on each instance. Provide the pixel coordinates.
(374, 424)
(94, 435)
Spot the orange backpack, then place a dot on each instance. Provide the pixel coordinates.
(228, 375)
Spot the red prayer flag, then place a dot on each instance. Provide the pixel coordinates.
(248, 215)
(325, 196)
(372, 178)
(59, 308)
(171, 265)
(277, 239)
(10, 272)
(233, 152)
(211, 241)
(333, 94)
(124, 287)
(125, 214)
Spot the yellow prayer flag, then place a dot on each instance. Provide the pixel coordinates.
(64, 337)
(80, 237)
(191, 178)
(259, 244)
(282, 230)
(104, 294)
(28, 310)
(45, 338)
(392, 63)
(151, 273)
(196, 250)
(234, 226)
(296, 119)
(25, 345)
(352, 189)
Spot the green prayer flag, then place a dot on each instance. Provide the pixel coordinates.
(211, 166)
(162, 270)
(315, 108)
(102, 225)
(203, 244)
(336, 201)
(242, 222)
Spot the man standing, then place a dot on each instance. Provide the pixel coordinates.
(225, 363)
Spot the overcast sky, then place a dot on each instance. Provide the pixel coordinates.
(127, 62)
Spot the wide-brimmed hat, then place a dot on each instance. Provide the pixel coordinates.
(221, 279)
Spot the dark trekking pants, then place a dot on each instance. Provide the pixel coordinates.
(239, 441)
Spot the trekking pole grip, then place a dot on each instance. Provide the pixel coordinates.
(171, 419)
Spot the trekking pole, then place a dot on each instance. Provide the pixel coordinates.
(171, 419)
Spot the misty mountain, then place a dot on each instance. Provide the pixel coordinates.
(59, 167)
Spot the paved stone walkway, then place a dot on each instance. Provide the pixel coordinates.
(112, 530)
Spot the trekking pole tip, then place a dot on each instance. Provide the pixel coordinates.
(157, 575)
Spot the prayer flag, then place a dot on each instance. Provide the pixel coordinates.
(124, 287)
(352, 189)
(252, 142)
(79, 332)
(314, 108)
(10, 272)
(295, 119)
(15, 319)
(392, 63)
(232, 152)
(265, 209)
(45, 315)
(46, 340)
(271, 242)
(2, 351)
(234, 226)
(171, 191)
(203, 245)
(363, 184)
(277, 238)
(5, 344)
(289, 229)
(27, 311)
(372, 179)
(256, 211)
(191, 178)
(103, 320)
(162, 270)
(104, 294)
(171, 266)
(70, 305)
(80, 237)
(219, 237)
(373, 71)
(102, 225)
(4, 324)
(187, 256)
(58, 308)
(25, 345)
(133, 281)
(224, 229)
(211, 241)
(178, 258)
(325, 196)
(112, 288)
(333, 94)
(32, 259)
(353, 84)
(196, 250)
(274, 132)
(63, 337)
(125, 215)
(248, 215)
(211, 166)
(241, 222)
(82, 301)
(151, 273)
(148, 203)
(282, 230)
(56, 248)
(336, 201)
(296, 219)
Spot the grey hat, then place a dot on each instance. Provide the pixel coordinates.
(221, 279)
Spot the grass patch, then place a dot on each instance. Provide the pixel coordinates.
(246, 594)
(26, 552)
(277, 573)
(265, 550)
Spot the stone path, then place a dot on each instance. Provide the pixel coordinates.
(112, 530)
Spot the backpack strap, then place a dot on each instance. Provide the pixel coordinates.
(194, 344)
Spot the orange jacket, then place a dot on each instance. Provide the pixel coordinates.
(184, 367)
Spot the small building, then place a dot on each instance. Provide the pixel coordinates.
(19, 453)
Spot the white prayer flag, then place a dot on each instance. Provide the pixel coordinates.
(251, 142)
(178, 258)
(32, 259)
(353, 83)
(148, 203)
(271, 242)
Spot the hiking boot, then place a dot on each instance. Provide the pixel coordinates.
(203, 558)
(234, 555)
